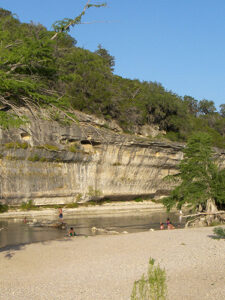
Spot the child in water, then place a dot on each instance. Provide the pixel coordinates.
(72, 232)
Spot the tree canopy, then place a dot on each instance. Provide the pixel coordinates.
(37, 68)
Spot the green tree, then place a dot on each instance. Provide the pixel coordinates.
(192, 104)
(206, 107)
(201, 185)
(222, 110)
(110, 60)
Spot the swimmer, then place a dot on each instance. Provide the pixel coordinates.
(72, 232)
(161, 226)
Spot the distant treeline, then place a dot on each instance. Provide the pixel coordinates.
(34, 68)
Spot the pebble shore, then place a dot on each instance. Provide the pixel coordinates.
(105, 267)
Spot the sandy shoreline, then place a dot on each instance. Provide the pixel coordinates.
(105, 267)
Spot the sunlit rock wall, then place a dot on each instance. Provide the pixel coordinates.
(53, 164)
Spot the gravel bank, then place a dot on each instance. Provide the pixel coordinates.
(105, 267)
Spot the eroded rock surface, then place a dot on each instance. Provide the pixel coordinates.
(52, 163)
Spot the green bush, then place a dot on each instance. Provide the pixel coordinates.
(15, 145)
(8, 120)
(3, 208)
(94, 193)
(151, 287)
(72, 205)
(34, 158)
(220, 232)
(74, 148)
(28, 205)
(139, 199)
(51, 147)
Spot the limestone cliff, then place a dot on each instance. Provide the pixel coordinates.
(52, 163)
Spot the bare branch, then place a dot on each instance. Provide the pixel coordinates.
(76, 20)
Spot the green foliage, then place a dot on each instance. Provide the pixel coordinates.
(34, 158)
(138, 199)
(93, 192)
(72, 205)
(220, 232)
(74, 148)
(51, 147)
(28, 205)
(151, 287)
(15, 145)
(10, 120)
(222, 110)
(3, 208)
(110, 60)
(199, 178)
(48, 70)
(206, 107)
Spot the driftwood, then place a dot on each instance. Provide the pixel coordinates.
(204, 214)
(205, 218)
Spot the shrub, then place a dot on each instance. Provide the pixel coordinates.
(51, 147)
(151, 287)
(15, 145)
(3, 208)
(73, 148)
(27, 205)
(34, 158)
(139, 199)
(72, 205)
(79, 197)
(94, 193)
(220, 232)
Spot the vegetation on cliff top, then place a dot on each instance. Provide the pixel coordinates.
(37, 68)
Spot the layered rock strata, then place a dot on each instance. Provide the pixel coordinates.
(49, 163)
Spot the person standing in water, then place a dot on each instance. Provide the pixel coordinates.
(61, 215)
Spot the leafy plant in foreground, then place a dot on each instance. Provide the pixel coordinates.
(151, 287)
(220, 232)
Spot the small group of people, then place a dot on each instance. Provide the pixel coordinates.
(71, 231)
(168, 223)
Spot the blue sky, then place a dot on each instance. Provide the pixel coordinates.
(179, 43)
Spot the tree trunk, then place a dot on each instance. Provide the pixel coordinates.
(211, 206)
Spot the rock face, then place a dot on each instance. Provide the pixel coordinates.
(55, 164)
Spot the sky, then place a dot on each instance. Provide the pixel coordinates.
(179, 43)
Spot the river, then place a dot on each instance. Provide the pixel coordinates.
(15, 232)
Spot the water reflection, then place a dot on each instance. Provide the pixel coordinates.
(16, 232)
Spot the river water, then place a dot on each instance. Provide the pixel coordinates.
(15, 232)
